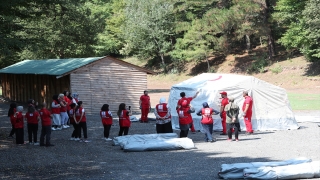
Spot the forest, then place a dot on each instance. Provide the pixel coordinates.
(166, 31)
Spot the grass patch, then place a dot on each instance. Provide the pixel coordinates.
(304, 101)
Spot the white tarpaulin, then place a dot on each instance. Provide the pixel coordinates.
(236, 170)
(153, 142)
(271, 108)
(297, 171)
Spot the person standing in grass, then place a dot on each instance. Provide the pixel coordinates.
(106, 118)
(207, 121)
(163, 117)
(223, 116)
(232, 112)
(11, 112)
(46, 126)
(81, 119)
(124, 119)
(145, 106)
(247, 112)
(33, 118)
(184, 113)
(18, 125)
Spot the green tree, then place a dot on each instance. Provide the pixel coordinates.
(148, 29)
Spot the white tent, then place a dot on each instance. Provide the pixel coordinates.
(271, 108)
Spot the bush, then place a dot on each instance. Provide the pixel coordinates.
(276, 70)
(259, 64)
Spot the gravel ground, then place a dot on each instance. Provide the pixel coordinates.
(100, 160)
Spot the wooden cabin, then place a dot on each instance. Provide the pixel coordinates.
(97, 80)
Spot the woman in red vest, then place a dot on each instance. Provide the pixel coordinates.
(55, 110)
(33, 117)
(11, 113)
(163, 117)
(207, 121)
(18, 125)
(124, 119)
(106, 118)
(81, 119)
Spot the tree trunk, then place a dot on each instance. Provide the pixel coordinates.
(248, 43)
(163, 63)
(208, 63)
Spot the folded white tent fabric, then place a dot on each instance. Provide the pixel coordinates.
(153, 142)
(271, 107)
(235, 171)
(296, 171)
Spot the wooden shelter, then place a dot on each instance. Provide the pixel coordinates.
(98, 81)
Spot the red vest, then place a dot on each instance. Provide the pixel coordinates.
(45, 117)
(78, 115)
(32, 118)
(184, 116)
(124, 119)
(64, 109)
(18, 121)
(162, 109)
(106, 118)
(206, 116)
(55, 110)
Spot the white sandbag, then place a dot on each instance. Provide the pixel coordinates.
(159, 144)
(235, 171)
(117, 141)
(297, 171)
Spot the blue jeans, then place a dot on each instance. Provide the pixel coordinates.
(208, 128)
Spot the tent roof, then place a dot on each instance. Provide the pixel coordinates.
(58, 67)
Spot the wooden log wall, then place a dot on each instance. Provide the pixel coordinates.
(41, 88)
(110, 83)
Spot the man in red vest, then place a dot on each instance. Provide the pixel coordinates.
(145, 106)
(247, 112)
(223, 115)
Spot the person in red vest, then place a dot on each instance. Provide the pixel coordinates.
(163, 117)
(145, 106)
(124, 119)
(11, 112)
(46, 126)
(247, 111)
(106, 118)
(80, 117)
(18, 125)
(33, 118)
(184, 113)
(63, 111)
(223, 115)
(55, 110)
(207, 121)
(74, 136)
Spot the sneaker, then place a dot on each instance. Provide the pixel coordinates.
(64, 126)
(77, 139)
(230, 140)
(53, 129)
(59, 128)
(108, 139)
(237, 140)
(214, 139)
(86, 141)
(31, 143)
(67, 126)
(36, 144)
(80, 140)
(72, 139)
(210, 141)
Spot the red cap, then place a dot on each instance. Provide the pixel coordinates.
(223, 93)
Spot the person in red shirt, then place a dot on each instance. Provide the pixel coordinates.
(223, 115)
(124, 119)
(11, 112)
(207, 121)
(46, 126)
(106, 118)
(163, 117)
(63, 111)
(247, 111)
(18, 125)
(184, 113)
(81, 119)
(145, 106)
(33, 118)
(55, 110)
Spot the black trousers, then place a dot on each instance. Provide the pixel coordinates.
(83, 126)
(164, 128)
(236, 127)
(106, 130)
(32, 131)
(19, 136)
(12, 131)
(45, 132)
(123, 130)
(75, 131)
(184, 133)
